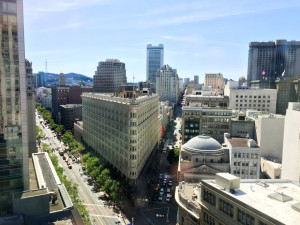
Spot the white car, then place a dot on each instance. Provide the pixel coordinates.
(160, 198)
(168, 190)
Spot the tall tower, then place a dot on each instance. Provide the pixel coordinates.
(272, 60)
(155, 60)
(61, 79)
(110, 76)
(14, 130)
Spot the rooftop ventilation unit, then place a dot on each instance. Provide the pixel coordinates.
(280, 197)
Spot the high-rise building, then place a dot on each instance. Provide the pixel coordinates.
(155, 60)
(228, 200)
(186, 81)
(110, 76)
(14, 127)
(69, 114)
(123, 130)
(286, 92)
(41, 79)
(60, 96)
(196, 79)
(214, 80)
(272, 60)
(61, 79)
(30, 108)
(167, 84)
(291, 143)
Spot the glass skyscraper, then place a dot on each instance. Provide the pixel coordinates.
(155, 60)
(14, 139)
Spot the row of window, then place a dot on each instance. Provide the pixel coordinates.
(243, 217)
(250, 96)
(246, 155)
(268, 101)
(254, 105)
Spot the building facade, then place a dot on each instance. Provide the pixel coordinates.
(69, 114)
(60, 96)
(287, 91)
(124, 131)
(155, 60)
(41, 79)
(291, 143)
(30, 108)
(213, 122)
(243, 98)
(228, 200)
(214, 80)
(196, 79)
(273, 60)
(110, 75)
(244, 157)
(201, 158)
(46, 101)
(14, 127)
(207, 101)
(76, 92)
(61, 79)
(167, 84)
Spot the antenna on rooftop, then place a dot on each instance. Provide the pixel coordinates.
(133, 78)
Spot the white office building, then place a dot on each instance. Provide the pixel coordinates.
(291, 143)
(167, 84)
(244, 156)
(243, 98)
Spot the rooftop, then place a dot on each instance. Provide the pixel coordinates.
(278, 199)
(203, 144)
(113, 98)
(238, 142)
(71, 106)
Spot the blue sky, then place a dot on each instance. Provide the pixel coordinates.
(199, 36)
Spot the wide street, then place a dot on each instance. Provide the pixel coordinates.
(145, 206)
(99, 213)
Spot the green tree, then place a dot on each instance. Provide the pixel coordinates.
(106, 186)
(39, 132)
(46, 148)
(105, 175)
(114, 190)
(59, 128)
(67, 138)
(96, 171)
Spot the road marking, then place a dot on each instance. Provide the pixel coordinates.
(104, 216)
(148, 219)
(154, 209)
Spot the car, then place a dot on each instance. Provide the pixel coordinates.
(160, 198)
(170, 183)
(168, 190)
(68, 163)
(64, 157)
(160, 176)
(162, 190)
(168, 197)
(70, 166)
(161, 193)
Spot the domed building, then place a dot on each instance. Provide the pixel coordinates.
(201, 158)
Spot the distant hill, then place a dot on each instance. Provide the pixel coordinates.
(71, 78)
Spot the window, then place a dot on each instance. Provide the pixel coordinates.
(209, 197)
(208, 219)
(245, 218)
(226, 207)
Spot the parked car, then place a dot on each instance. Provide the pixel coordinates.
(160, 198)
(70, 166)
(168, 190)
(160, 176)
(170, 183)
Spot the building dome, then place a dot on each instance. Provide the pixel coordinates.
(202, 144)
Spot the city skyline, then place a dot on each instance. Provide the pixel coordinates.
(199, 37)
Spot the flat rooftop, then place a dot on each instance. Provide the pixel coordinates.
(238, 142)
(279, 199)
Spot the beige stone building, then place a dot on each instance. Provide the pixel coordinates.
(227, 200)
(214, 80)
(124, 131)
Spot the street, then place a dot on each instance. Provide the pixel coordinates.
(99, 213)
